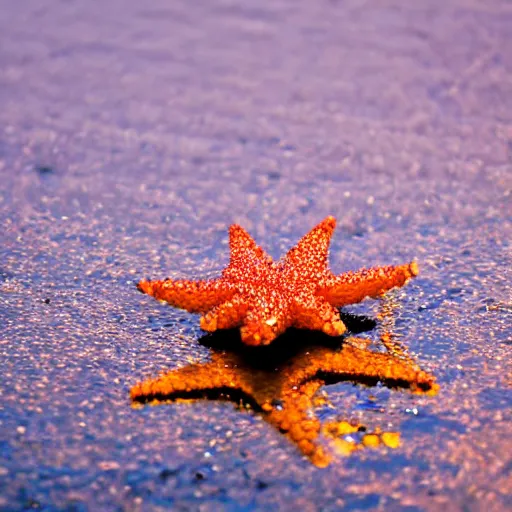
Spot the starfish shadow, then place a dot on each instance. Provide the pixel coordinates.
(285, 346)
(280, 381)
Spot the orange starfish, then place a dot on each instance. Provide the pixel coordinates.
(264, 298)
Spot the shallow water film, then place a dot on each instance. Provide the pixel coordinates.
(132, 135)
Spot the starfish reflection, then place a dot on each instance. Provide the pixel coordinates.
(279, 381)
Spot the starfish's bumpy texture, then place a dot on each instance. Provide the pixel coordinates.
(264, 297)
(283, 389)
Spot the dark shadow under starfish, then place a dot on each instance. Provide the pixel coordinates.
(280, 380)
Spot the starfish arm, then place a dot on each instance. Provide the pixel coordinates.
(228, 315)
(185, 381)
(316, 313)
(365, 366)
(353, 287)
(194, 296)
(265, 321)
(294, 419)
(245, 254)
(309, 257)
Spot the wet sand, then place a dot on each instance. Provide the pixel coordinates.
(132, 136)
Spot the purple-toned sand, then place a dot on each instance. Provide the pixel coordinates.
(132, 134)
